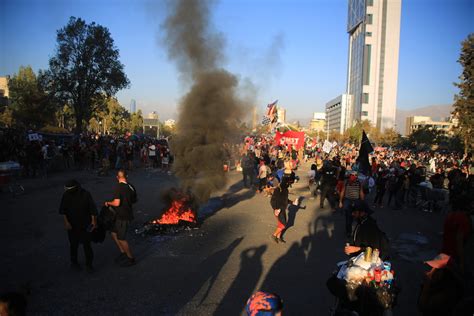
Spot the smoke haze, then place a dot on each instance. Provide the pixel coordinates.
(209, 112)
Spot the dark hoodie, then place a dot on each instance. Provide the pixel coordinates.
(78, 206)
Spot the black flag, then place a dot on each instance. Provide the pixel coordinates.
(364, 151)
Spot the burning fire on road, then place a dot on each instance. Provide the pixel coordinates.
(179, 214)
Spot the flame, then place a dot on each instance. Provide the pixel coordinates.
(178, 211)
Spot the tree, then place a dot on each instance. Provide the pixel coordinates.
(30, 106)
(389, 137)
(85, 68)
(424, 136)
(354, 133)
(136, 122)
(464, 101)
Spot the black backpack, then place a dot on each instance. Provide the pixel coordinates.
(134, 193)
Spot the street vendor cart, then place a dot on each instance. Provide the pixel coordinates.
(364, 284)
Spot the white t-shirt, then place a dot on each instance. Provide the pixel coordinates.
(262, 171)
(152, 151)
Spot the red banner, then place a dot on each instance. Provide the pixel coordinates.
(295, 139)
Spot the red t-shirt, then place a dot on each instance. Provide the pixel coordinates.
(455, 222)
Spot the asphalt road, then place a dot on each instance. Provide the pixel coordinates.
(207, 271)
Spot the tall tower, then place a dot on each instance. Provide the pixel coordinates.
(133, 106)
(374, 39)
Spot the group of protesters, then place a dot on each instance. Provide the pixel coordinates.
(395, 179)
(101, 153)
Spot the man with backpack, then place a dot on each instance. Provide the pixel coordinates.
(124, 196)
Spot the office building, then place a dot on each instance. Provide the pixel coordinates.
(336, 114)
(415, 122)
(318, 123)
(374, 36)
(133, 106)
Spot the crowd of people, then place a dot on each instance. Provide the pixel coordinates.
(53, 153)
(394, 179)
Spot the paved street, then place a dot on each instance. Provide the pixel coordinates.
(206, 271)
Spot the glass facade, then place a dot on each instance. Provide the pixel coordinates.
(356, 14)
(356, 62)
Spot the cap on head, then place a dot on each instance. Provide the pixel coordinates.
(71, 184)
(263, 303)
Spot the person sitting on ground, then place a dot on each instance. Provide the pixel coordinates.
(366, 233)
(264, 304)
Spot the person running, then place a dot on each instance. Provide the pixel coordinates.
(279, 203)
(124, 196)
(80, 218)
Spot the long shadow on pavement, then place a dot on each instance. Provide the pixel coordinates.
(250, 271)
(299, 276)
(205, 272)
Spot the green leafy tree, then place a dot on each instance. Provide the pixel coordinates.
(354, 134)
(85, 68)
(464, 101)
(6, 117)
(389, 137)
(136, 122)
(425, 136)
(31, 107)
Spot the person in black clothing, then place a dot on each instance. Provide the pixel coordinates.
(123, 198)
(328, 183)
(279, 203)
(381, 186)
(80, 218)
(366, 233)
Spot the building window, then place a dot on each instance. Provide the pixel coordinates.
(365, 98)
(365, 113)
(370, 3)
(369, 19)
(366, 69)
(368, 34)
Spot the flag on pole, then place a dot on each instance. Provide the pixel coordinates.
(364, 151)
(271, 115)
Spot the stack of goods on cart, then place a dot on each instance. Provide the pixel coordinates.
(369, 271)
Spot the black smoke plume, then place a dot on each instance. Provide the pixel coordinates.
(209, 112)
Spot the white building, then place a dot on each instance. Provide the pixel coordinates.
(336, 114)
(318, 123)
(281, 112)
(374, 40)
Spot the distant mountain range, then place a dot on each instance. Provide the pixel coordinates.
(436, 112)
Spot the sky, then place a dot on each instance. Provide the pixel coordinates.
(291, 50)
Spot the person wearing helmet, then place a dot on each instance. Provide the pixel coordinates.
(264, 304)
